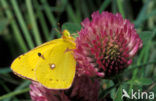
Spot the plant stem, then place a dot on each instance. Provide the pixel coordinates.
(42, 20)
(104, 5)
(14, 26)
(120, 6)
(14, 93)
(49, 14)
(33, 22)
(22, 24)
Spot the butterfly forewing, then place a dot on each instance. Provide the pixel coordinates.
(24, 65)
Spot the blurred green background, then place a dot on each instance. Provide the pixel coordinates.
(25, 24)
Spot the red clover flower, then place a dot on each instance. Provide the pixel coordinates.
(83, 89)
(105, 45)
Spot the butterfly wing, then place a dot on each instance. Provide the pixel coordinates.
(24, 65)
(57, 70)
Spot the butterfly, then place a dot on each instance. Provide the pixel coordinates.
(52, 64)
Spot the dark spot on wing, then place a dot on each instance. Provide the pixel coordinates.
(19, 57)
(50, 79)
(32, 69)
(39, 54)
(56, 80)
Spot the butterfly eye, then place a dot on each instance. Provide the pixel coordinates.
(52, 66)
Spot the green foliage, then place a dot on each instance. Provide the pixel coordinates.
(72, 27)
(118, 94)
(140, 81)
(146, 36)
(3, 24)
(5, 70)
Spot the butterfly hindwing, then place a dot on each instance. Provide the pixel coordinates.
(56, 70)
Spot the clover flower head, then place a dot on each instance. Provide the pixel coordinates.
(40, 93)
(105, 45)
(83, 89)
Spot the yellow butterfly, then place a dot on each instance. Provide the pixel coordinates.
(52, 64)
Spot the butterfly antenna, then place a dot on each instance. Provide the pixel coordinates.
(65, 33)
(58, 29)
(75, 34)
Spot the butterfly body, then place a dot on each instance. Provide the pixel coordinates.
(49, 64)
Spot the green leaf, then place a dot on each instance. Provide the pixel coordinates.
(14, 93)
(154, 88)
(146, 36)
(3, 24)
(141, 81)
(71, 27)
(118, 96)
(104, 5)
(104, 92)
(142, 14)
(54, 34)
(20, 87)
(5, 70)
